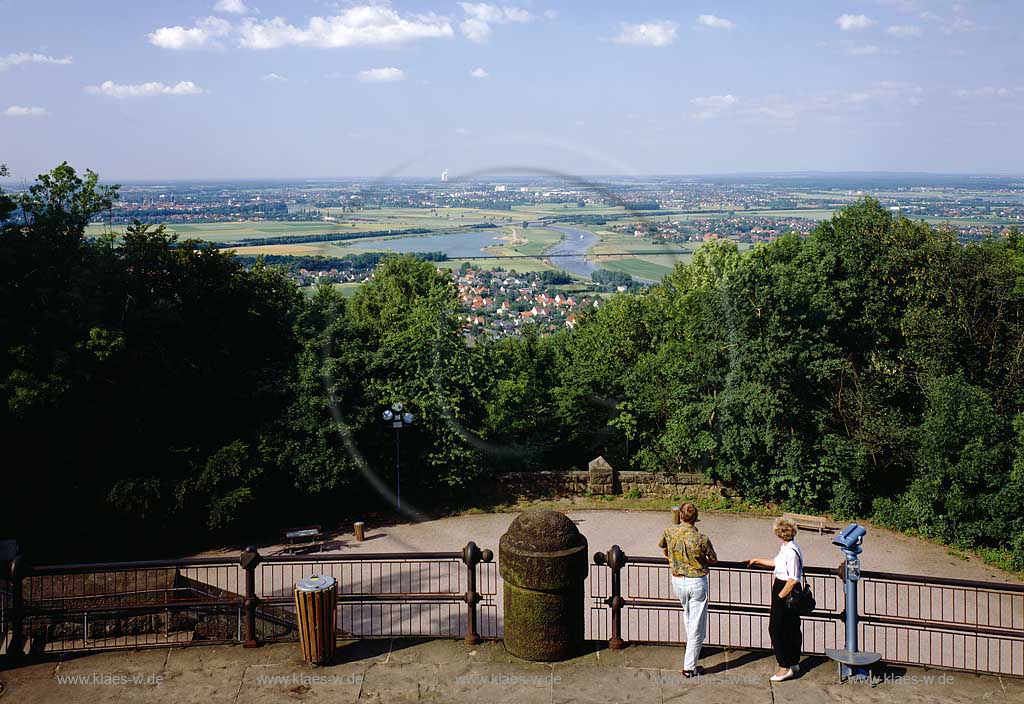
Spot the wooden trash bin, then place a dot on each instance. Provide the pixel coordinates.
(316, 612)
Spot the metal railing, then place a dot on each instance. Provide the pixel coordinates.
(113, 605)
(926, 621)
(436, 594)
(934, 622)
(949, 623)
(159, 603)
(632, 601)
(5, 611)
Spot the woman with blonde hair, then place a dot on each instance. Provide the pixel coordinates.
(784, 622)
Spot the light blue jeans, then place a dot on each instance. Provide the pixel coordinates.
(692, 593)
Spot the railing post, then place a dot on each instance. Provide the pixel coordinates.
(16, 647)
(250, 559)
(616, 560)
(472, 556)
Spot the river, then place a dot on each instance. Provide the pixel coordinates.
(577, 243)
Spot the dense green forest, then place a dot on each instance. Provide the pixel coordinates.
(157, 394)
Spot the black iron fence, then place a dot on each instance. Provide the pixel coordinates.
(927, 621)
(5, 611)
(948, 623)
(440, 594)
(157, 603)
(953, 624)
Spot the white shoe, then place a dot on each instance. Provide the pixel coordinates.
(787, 675)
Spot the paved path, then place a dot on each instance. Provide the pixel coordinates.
(393, 672)
(736, 536)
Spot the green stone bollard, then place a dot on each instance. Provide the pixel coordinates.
(543, 562)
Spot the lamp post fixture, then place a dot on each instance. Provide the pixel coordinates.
(397, 419)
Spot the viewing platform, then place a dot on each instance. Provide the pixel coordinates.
(449, 671)
(420, 617)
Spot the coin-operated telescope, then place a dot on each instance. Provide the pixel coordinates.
(853, 664)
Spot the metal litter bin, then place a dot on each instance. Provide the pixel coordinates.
(316, 611)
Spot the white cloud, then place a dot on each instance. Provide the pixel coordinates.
(863, 50)
(904, 31)
(889, 93)
(656, 33)
(851, 23)
(273, 77)
(949, 25)
(869, 99)
(22, 111)
(778, 112)
(961, 24)
(206, 33)
(388, 73)
(24, 57)
(233, 7)
(712, 105)
(142, 90)
(715, 101)
(715, 22)
(476, 31)
(985, 92)
(480, 16)
(479, 73)
(856, 98)
(362, 25)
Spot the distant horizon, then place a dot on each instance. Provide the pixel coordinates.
(455, 179)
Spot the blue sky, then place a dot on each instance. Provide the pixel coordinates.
(310, 88)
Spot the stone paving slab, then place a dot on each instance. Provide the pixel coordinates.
(398, 671)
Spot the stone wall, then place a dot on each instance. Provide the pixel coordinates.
(577, 483)
(651, 484)
(543, 484)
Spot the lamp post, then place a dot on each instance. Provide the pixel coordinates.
(397, 419)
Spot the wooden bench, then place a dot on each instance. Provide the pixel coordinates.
(304, 537)
(802, 520)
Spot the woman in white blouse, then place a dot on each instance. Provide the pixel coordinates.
(783, 622)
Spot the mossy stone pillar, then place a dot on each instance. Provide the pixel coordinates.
(543, 563)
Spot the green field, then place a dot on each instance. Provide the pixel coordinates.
(232, 231)
(802, 213)
(980, 221)
(347, 290)
(643, 267)
(520, 265)
(538, 240)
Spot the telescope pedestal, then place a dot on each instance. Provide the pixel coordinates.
(852, 665)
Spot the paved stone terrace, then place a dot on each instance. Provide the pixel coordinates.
(396, 671)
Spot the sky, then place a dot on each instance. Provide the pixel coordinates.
(207, 89)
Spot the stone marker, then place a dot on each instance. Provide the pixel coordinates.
(602, 476)
(543, 563)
